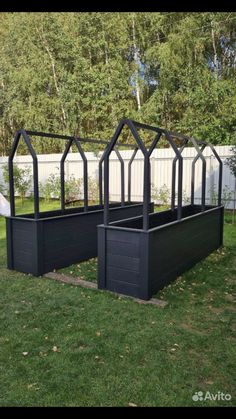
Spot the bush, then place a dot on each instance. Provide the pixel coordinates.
(226, 195)
(73, 189)
(186, 198)
(22, 180)
(231, 161)
(161, 195)
(51, 189)
(93, 190)
(2, 189)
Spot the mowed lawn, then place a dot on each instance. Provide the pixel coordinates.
(61, 345)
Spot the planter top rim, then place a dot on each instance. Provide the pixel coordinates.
(60, 216)
(112, 226)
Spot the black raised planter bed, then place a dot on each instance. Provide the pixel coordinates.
(56, 240)
(140, 255)
(40, 242)
(140, 263)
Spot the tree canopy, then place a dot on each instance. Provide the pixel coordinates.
(81, 72)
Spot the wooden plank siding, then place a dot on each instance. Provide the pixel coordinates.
(138, 263)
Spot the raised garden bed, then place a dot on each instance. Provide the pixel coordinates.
(140, 263)
(140, 255)
(57, 239)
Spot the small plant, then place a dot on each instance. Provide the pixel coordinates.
(22, 180)
(93, 190)
(51, 188)
(73, 189)
(231, 161)
(226, 195)
(213, 195)
(2, 189)
(161, 195)
(186, 199)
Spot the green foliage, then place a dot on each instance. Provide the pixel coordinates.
(51, 189)
(186, 198)
(2, 189)
(231, 161)
(22, 180)
(227, 195)
(80, 73)
(109, 347)
(73, 189)
(93, 190)
(161, 195)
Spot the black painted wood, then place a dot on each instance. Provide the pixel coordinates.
(176, 248)
(55, 240)
(140, 263)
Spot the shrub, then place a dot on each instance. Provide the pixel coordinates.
(93, 190)
(51, 189)
(22, 180)
(73, 189)
(161, 195)
(231, 161)
(226, 195)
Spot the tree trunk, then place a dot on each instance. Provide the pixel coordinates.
(45, 44)
(136, 60)
(215, 58)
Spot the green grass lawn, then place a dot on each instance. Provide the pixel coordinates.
(62, 345)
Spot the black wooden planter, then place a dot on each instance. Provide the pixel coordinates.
(140, 263)
(140, 255)
(54, 240)
(40, 242)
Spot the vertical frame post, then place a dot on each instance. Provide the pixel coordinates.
(129, 173)
(62, 173)
(85, 170)
(220, 172)
(180, 172)
(199, 155)
(122, 176)
(146, 192)
(100, 176)
(174, 176)
(35, 173)
(11, 173)
(106, 190)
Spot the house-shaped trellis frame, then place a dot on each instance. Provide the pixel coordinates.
(40, 242)
(140, 255)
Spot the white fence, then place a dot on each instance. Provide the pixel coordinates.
(161, 168)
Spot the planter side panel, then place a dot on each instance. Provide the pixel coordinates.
(22, 245)
(121, 261)
(176, 248)
(69, 240)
